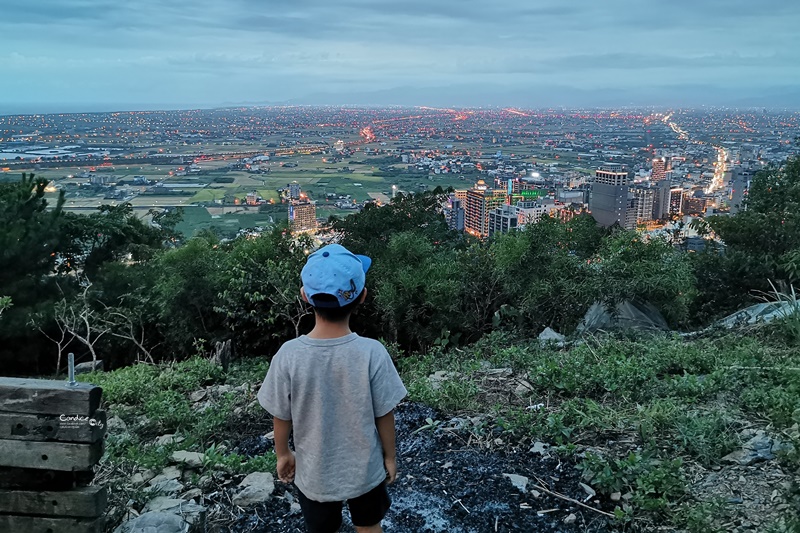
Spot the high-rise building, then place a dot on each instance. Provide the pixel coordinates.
(454, 213)
(676, 201)
(503, 219)
(302, 215)
(479, 201)
(609, 199)
(740, 184)
(294, 190)
(660, 168)
(644, 198)
(661, 200)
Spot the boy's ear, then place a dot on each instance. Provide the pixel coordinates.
(303, 294)
(363, 296)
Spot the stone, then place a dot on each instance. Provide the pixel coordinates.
(757, 449)
(198, 395)
(539, 447)
(520, 482)
(166, 440)
(190, 459)
(524, 388)
(270, 435)
(205, 482)
(168, 486)
(116, 426)
(90, 366)
(549, 336)
(163, 503)
(191, 494)
(570, 519)
(294, 508)
(168, 473)
(499, 372)
(155, 522)
(439, 376)
(588, 490)
(256, 488)
(616, 496)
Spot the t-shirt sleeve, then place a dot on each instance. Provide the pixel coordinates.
(387, 387)
(275, 394)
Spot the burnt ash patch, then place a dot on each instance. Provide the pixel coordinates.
(443, 485)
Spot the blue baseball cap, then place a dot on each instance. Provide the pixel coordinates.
(334, 270)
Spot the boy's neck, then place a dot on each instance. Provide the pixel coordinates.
(329, 330)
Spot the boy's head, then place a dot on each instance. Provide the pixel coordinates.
(333, 281)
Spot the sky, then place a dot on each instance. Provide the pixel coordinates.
(87, 55)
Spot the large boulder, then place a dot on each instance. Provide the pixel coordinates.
(155, 522)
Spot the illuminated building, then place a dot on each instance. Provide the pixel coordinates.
(454, 213)
(740, 183)
(503, 219)
(302, 215)
(644, 198)
(609, 202)
(661, 200)
(479, 201)
(660, 168)
(294, 190)
(676, 201)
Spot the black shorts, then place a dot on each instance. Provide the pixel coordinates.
(365, 510)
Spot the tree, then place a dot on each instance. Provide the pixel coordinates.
(261, 297)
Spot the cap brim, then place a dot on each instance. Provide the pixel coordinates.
(366, 262)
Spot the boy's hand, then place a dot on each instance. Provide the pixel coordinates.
(391, 469)
(286, 467)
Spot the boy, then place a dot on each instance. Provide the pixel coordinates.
(337, 392)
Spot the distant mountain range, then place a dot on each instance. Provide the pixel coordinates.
(563, 96)
(483, 95)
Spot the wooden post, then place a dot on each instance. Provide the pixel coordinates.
(51, 437)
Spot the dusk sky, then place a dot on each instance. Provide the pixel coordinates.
(72, 55)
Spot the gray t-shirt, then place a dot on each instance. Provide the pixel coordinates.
(333, 390)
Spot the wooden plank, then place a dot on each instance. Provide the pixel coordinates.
(25, 426)
(50, 455)
(41, 524)
(45, 396)
(31, 479)
(82, 502)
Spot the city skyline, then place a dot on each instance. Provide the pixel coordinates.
(102, 55)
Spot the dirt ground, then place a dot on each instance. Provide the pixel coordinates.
(444, 486)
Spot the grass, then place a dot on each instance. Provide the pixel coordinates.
(675, 403)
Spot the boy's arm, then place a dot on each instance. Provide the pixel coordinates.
(385, 425)
(286, 463)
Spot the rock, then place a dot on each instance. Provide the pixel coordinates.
(524, 388)
(616, 496)
(90, 366)
(166, 440)
(270, 435)
(155, 522)
(169, 486)
(191, 494)
(536, 493)
(758, 448)
(570, 519)
(205, 482)
(163, 503)
(190, 459)
(588, 490)
(499, 372)
(439, 376)
(520, 482)
(294, 508)
(168, 473)
(539, 447)
(548, 336)
(256, 488)
(116, 426)
(198, 395)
